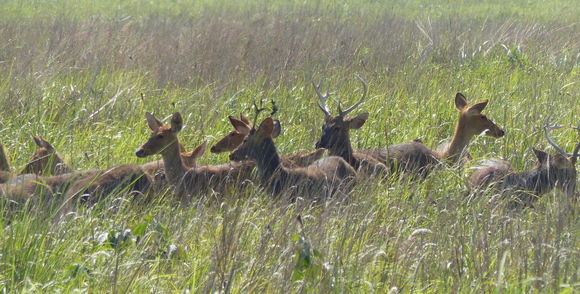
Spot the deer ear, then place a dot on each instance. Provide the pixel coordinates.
(266, 127)
(277, 129)
(460, 101)
(176, 122)
(479, 107)
(244, 119)
(198, 151)
(542, 156)
(153, 123)
(358, 121)
(42, 143)
(239, 125)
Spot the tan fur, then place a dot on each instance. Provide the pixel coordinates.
(45, 160)
(322, 179)
(188, 181)
(415, 157)
(93, 185)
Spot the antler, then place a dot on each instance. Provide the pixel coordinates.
(257, 110)
(274, 108)
(576, 153)
(360, 100)
(322, 98)
(547, 129)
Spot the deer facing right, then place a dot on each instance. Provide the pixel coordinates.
(416, 158)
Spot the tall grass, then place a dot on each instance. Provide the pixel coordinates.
(82, 74)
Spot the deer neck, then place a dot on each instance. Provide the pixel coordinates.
(345, 151)
(460, 141)
(269, 163)
(174, 167)
(542, 180)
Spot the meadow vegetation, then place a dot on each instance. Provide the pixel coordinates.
(82, 74)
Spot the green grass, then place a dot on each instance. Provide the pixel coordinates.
(82, 74)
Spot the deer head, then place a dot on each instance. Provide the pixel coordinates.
(473, 121)
(336, 128)
(250, 147)
(162, 136)
(190, 158)
(45, 159)
(234, 138)
(561, 166)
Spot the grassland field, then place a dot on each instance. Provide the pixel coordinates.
(83, 73)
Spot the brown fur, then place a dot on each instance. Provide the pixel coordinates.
(90, 182)
(242, 128)
(14, 195)
(551, 171)
(45, 160)
(321, 179)
(415, 157)
(190, 181)
(91, 186)
(157, 168)
(335, 137)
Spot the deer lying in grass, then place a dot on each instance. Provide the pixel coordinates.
(551, 171)
(90, 184)
(415, 157)
(323, 178)
(45, 160)
(335, 135)
(192, 181)
(85, 186)
(242, 128)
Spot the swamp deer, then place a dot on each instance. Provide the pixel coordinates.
(323, 178)
(45, 160)
(415, 157)
(93, 183)
(242, 128)
(551, 171)
(196, 180)
(335, 134)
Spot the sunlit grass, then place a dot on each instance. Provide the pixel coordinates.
(84, 83)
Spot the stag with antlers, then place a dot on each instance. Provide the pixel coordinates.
(551, 171)
(335, 134)
(321, 179)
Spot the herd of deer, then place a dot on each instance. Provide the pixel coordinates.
(254, 158)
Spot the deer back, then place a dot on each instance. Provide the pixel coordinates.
(94, 186)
